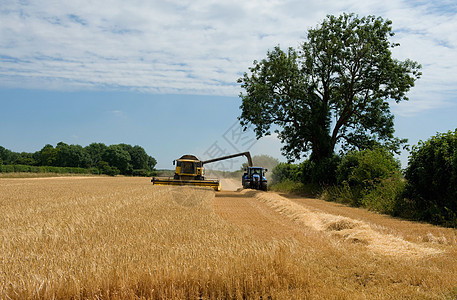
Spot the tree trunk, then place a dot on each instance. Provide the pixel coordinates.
(321, 140)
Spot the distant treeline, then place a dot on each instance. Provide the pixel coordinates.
(96, 158)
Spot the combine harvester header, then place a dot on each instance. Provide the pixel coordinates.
(189, 171)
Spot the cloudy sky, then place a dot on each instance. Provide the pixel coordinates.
(162, 74)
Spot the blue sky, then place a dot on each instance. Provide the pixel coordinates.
(162, 74)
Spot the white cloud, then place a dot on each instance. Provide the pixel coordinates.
(117, 113)
(200, 46)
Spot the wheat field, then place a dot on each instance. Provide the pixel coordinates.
(123, 238)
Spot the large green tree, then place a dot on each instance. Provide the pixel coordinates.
(5, 155)
(48, 156)
(139, 158)
(95, 151)
(335, 89)
(72, 156)
(118, 157)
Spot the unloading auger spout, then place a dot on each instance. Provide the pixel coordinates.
(247, 154)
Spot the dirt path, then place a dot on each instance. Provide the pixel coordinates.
(230, 184)
(245, 211)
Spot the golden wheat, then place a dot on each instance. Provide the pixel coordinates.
(122, 238)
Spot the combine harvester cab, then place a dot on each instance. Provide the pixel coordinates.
(189, 171)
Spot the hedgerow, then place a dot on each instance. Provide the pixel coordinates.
(432, 179)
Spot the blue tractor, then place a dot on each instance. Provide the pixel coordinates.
(254, 178)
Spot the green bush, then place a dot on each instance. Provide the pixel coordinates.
(105, 168)
(141, 173)
(41, 169)
(339, 193)
(288, 186)
(286, 171)
(432, 179)
(33, 169)
(387, 197)
(8, 169)
(22, 168)
(366, 168)
(112, 171)
(368, 178)
(322, 173)
(308, 172)
(78, 170)
(94, 171)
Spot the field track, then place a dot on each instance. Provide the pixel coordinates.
(245, 211)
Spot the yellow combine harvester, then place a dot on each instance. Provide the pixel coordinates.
(189, 171)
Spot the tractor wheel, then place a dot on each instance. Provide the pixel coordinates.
(264, 186)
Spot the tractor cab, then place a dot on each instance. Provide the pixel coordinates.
(254, 178)
(256, 171)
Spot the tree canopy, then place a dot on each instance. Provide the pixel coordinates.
(335, 89)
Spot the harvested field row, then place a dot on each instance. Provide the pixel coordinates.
(415, 232)
(347, 229)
